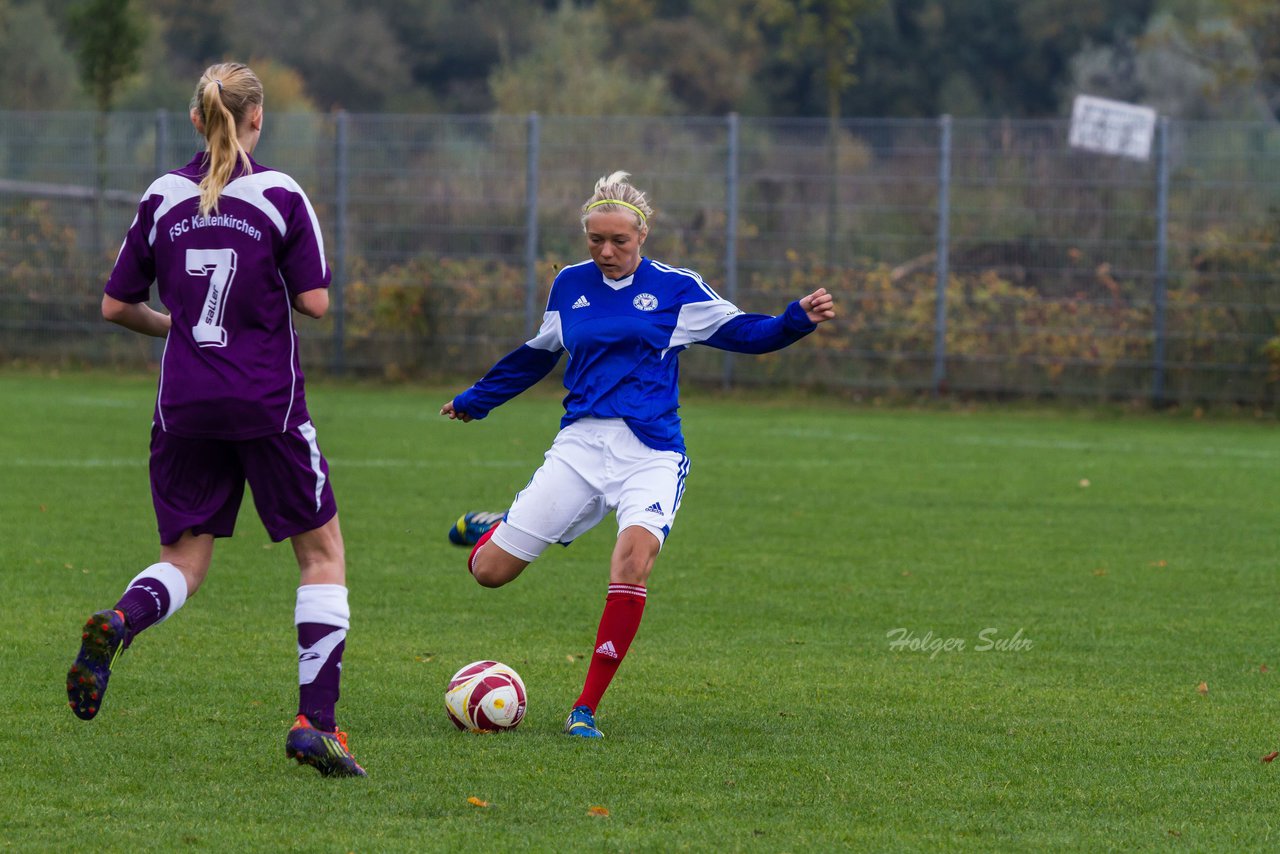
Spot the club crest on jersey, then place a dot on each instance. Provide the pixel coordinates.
(645, 302)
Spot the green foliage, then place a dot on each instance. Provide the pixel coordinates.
(995, 58)
(107, 37)
(707, 51)
(570, 71)
(899, 58)
(36, 70)
(1230, 271)
(828, 30)
(36, 254)
(454, 314)
(44, 289)
(195, 35)
(434, 314)
(1237, 42)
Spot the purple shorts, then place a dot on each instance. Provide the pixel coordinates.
(198, 484)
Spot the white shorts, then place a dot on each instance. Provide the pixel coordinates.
(595, 465)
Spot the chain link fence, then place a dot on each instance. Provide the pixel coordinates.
(968, 256)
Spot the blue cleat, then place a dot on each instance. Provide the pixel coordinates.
(582, 723)
(468, 530)
(101, 643)
(324, 751)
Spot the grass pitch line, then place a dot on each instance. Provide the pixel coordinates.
(130, 462)
(1123, 448)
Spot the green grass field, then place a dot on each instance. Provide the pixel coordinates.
(1085, 604)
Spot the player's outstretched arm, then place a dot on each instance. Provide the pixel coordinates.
(819, 306)
(454, 414)
(138, 317)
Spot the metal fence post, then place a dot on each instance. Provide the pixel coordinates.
(1162, 262)
(340, 188)
(731, 233)
(531, 226)
(942, 269)
(162, 142)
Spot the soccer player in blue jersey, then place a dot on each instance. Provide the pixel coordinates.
(623, 319)
(234, 248)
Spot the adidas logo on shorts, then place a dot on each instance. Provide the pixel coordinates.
(582, 302)
(655, 507)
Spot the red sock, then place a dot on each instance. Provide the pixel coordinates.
(623, 608)
(475, 550)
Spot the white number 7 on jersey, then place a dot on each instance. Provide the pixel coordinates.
(220, 266)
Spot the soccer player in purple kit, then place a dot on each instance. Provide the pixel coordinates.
(234, 248)
(623, 319)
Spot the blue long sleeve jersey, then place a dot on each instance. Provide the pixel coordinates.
(623, 338)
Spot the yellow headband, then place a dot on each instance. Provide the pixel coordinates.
(628, 205)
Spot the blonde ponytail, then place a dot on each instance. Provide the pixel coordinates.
(224, 97)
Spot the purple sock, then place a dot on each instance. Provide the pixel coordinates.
(322, 617)
(319, 672)
(151, 596)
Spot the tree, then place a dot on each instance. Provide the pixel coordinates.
(825, 32)
(1196, 59)
(195, 35)
(571, 71)
(828, 31)
(345, 50)
(1261, 20)
(812, 48)
(707, 51)
(922, 58)
(453, 46)
(1238, 43)
(38, 72)
(107, 38)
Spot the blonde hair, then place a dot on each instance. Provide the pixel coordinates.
(225, 95)
(614, 192)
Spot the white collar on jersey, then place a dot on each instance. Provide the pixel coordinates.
(617, 284)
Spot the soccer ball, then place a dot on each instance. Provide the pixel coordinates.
(485, 696)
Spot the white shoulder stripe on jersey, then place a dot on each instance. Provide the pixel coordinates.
(550, 336)
(698, 321)
(173, 190)
(681, 271)
(176, 189)
(252, 189)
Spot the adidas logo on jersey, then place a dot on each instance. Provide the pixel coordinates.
(655, 507)
(606, 648)
(582, 302)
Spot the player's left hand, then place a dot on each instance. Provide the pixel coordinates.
(454, 414)
(819, 306)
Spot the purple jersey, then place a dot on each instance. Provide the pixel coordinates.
(230, 368)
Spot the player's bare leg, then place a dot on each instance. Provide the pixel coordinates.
(633, 556)
(191, 554)
(491, 565)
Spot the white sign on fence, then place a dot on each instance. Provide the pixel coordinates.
(1112, 127)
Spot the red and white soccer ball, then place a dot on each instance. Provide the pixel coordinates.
(485, 696)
